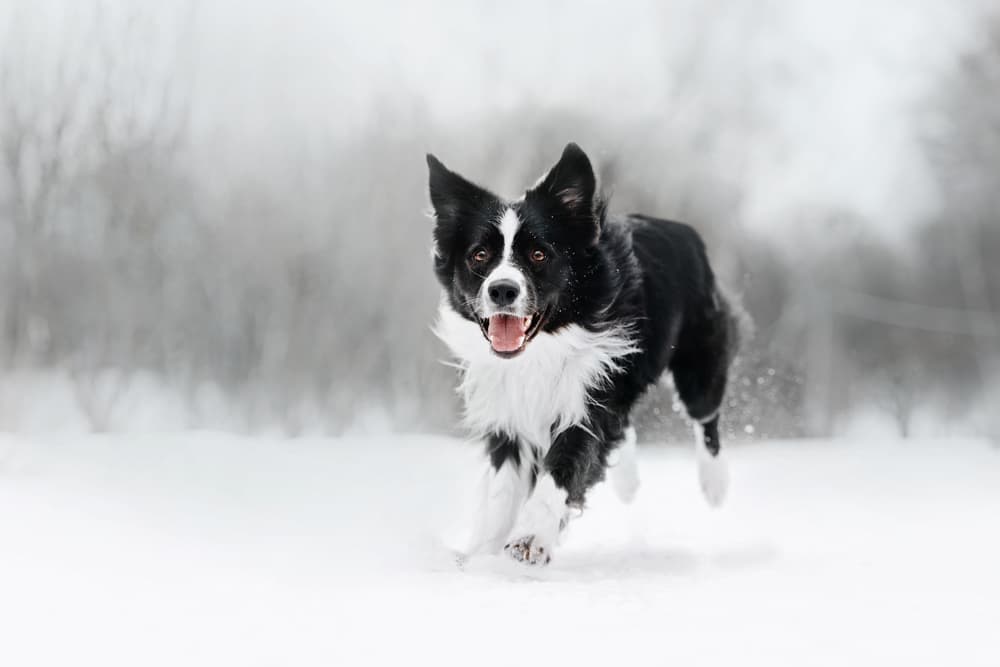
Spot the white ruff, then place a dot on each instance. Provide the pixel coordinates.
(542, 391)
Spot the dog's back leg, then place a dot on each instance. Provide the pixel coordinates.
(623, 467)
(700, 367)
(713, 473)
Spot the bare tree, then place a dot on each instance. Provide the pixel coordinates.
(88, 135)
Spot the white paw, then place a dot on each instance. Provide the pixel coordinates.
(528, 550)
(625, 480)
(713, 475)
(624, 470)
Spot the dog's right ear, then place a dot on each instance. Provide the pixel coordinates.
(450, 193)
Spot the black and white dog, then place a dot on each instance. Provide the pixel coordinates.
(561, 317)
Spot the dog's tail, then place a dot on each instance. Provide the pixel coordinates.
(739, 325)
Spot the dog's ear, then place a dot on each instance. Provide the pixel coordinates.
(450, 193)
(569, 185)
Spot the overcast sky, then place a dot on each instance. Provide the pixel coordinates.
(835, 89)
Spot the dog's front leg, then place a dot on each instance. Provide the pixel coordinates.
(503, 489)
(574, 463)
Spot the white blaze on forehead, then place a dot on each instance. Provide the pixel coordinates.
(509, 224)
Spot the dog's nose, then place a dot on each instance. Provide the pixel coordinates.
(503, 292)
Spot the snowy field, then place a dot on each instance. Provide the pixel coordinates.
(208, 549)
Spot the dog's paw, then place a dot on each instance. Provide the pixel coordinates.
(713, 475)
(526, 550)
(625, 480)
(624, 468)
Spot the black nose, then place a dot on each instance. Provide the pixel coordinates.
(503, 292)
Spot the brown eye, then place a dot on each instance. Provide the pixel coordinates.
(538, 256)
(480, 255)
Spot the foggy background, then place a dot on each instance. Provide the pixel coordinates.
(213, 214)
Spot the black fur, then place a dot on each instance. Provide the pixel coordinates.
(650, 274)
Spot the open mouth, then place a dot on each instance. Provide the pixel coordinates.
(509, 334)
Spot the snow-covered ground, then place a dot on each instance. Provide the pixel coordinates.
(209, 549)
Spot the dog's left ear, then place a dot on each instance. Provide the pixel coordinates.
(569, 185)
(452, 195)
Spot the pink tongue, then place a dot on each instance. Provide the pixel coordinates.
(507, 332)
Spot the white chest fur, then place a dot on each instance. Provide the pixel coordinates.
(544, 390)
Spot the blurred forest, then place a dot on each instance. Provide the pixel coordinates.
(284, 283)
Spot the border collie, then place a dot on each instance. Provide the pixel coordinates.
(560, 317)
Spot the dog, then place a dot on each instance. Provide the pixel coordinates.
(560, 317)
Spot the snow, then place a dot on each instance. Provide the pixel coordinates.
(212, 549)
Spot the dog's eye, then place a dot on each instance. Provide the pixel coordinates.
(479, 255)
(538, 256)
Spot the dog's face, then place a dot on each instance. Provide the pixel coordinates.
(514, 268)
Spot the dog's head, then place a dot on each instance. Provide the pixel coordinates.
(515, 267)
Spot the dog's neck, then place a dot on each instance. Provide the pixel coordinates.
(541, 392)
